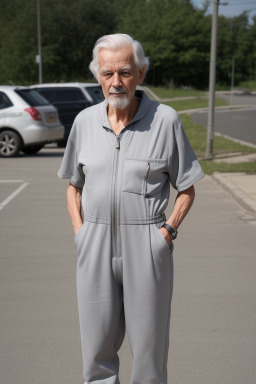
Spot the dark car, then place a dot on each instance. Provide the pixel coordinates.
(70, 99)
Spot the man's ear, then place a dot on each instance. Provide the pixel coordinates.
(142, 73)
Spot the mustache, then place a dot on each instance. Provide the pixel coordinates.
(118, 90)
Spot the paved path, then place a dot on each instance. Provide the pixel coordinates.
(213, 338)
(238, 98)
(241, 187)
(238, 123)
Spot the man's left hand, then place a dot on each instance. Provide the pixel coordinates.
(166, 236)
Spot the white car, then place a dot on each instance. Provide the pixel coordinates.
(27, 121)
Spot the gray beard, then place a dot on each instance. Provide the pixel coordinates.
(118, 103)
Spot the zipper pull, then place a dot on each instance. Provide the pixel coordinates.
(147, 170)
(118, 142)
(146, 179)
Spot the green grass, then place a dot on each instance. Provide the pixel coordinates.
(200, 100)
(222, 146)
(209, 167)
(163, 92)
(222, 87)
(250, 85)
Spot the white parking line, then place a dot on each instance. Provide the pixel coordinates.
(13, 194)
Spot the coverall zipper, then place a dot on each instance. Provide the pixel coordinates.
(114, 199)
(146, 179)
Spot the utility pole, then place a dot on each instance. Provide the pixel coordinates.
(233, 64)
(212, 80)
(39, 56)
(232, 79)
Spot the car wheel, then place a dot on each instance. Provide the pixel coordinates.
(10, 143)
(32, 149)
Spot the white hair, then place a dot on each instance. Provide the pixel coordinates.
(115, 42)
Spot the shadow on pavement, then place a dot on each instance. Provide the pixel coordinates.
(45, 152)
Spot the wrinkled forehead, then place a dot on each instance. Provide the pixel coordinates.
(118, 58)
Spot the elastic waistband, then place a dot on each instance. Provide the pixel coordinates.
(126, 221)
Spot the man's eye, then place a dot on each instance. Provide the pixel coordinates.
(108, 75)
(125, 73)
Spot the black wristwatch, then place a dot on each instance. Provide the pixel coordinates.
(171, 230)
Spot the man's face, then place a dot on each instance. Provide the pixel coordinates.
(119, 76)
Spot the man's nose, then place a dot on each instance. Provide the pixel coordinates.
(116, 80)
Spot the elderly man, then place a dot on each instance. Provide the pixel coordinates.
(121, 157)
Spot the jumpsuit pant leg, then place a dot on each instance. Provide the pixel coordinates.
(100, 304)
(147, 285)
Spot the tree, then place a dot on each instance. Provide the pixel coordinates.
(18, 42)
(233, 41)
(69, 31)
(252, 54)
(175, 36)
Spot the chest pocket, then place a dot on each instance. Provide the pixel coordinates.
(144, 176)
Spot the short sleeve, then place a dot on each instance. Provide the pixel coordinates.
(184, 168)
(70, 167)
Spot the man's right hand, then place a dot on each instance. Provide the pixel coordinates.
(77, 226)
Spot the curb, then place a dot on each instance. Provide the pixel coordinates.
(243, 199)
(219, 108)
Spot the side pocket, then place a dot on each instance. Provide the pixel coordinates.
(80, 230)
(159, 234)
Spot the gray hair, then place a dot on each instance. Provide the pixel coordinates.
(115, 42)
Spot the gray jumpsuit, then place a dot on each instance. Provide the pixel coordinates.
(124, 267)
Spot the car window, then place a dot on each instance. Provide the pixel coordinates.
(48, 93)
(32, 97)
(95, 93)
(5, 102)
(68, 94)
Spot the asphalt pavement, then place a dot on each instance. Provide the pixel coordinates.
(236, 120)
(239, 97)
(212, 337)
(238, 124)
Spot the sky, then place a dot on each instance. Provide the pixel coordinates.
(234, 7)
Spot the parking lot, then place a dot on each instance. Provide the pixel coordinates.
(213, 337)
(38, 303)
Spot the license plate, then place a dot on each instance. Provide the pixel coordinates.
(51, 117)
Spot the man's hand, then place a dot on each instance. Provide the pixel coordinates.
(182, 205)
(77, 226)
(166, 236)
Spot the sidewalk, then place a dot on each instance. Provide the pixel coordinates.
(241, 186)
(219, 108)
